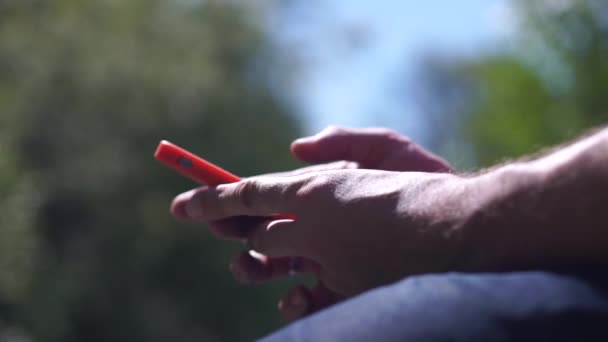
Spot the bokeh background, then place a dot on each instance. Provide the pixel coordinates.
(88, 251)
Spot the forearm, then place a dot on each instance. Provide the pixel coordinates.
(552, 211)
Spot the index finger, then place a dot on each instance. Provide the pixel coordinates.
(260, 196)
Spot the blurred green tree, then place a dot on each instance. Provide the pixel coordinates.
(547, 87)
(87, 89)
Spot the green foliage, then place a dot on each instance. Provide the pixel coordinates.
(87, 89)
(549, 88)
(516, 114)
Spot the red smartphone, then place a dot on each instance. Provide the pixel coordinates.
(192, 166)
(197, 168)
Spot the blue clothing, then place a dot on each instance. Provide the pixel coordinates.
(519, 306)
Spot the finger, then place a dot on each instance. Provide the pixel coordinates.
(178, 206)
(261, 196)
(301, 301)
(280, 238)
(322, 297)
(236, 228)
(255, 268)
(296, 304)
(372, 148)
(336, 143)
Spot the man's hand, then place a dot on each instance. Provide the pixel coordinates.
(357, 229)
(336, 148)
(363, 228)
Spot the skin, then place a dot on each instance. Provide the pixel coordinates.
(334, 148)
(402, 212)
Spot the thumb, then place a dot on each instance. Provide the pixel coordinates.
(365, 146)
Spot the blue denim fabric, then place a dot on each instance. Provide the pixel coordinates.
(522, 306)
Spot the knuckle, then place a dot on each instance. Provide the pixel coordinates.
(343, 164)
(351, 165)
(198, 196)
(200, 199)
(333, 130)
(393, 136)
(244, 193)
(314, 188)
(390, 140)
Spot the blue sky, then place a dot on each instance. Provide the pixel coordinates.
(350, 83)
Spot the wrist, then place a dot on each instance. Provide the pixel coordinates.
(545, 213)
(446, 210)
(500, 213)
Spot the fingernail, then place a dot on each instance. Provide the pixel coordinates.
(193, 207)
(306, 140)
(296, 300)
